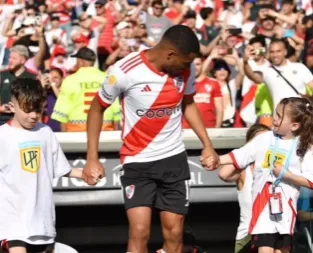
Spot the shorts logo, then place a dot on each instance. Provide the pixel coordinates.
(129, 191)
(30, 156)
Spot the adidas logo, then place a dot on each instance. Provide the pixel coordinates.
(146, 89)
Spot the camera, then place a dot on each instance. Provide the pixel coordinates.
(260, 51)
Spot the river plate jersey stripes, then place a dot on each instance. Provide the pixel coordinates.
(151, 104)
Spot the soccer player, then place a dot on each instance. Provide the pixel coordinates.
(156, 88)
(30, 158)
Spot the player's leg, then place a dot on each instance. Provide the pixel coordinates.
(172, 231)
(139, 195)
(173, 200)
(139, 219)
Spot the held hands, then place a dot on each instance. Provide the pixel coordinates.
(209, 159)
(93, 172)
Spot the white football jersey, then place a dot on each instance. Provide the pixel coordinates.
(260, 151)
(152, 107)
(30, 160)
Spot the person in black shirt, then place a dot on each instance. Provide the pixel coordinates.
(18, 56)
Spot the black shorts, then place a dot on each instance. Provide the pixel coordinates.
(29, 247)
(162, 184)
(275, 241)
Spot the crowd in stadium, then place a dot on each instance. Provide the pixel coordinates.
(255, 56)
(42, 39)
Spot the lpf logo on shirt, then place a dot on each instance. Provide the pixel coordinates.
(30, 156)
(179, 83)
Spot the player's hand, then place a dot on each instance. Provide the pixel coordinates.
(93, 172)
(209, 153)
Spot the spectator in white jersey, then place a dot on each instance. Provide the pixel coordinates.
(157, 89)
(31, 157)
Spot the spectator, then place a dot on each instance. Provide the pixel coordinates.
(156, 23)
(52, 83)
(77, 91)
(16, 69)
(283, 78)
(208, 98)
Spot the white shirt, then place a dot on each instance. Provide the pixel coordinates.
(30, 160)
(245, 204)
(260, 151)
(151, 105)
(296, 73)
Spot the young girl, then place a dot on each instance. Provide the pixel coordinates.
(283, 163)
(244, 181)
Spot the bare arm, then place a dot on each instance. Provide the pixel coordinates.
(219, 111)
(75, 173)
(94, 124)
(229, 173)
(193, 118)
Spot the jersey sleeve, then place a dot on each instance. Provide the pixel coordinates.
(116, 111)
(245, 155)
(61, 165)
(65, 103)
(190, 89)
(114, 84)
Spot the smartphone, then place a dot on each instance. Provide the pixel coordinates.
(229, 51)
(235, 31)
(38, 20)
(29, 31)
(18, 11)
(260, 51)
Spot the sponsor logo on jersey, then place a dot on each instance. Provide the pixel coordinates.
(129, 191)
(106, 95)
(112, 80)
(30, 156)
(158, 113)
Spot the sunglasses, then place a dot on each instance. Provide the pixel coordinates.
(98, 6)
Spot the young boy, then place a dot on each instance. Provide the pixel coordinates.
(30, 158)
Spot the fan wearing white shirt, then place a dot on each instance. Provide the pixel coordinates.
(31, 157)
(283, 78)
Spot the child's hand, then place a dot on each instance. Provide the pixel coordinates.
(277, 169)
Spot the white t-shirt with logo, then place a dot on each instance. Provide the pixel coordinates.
(30, 160)
(296, 73)
(260, 151)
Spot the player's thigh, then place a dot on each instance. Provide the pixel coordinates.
(138, 189)
(139, 219)
(173, 187)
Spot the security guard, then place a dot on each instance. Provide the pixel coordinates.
(18, 56)
(77, 92)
